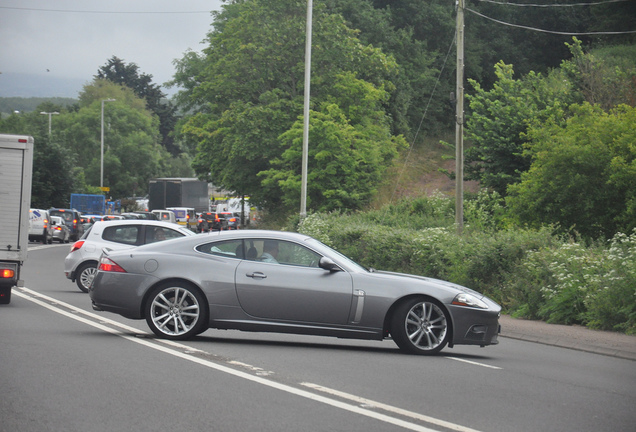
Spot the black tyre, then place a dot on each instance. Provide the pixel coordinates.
(85, 275)
(177, 311)
(420, 326)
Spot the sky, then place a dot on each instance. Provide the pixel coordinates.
(43, 42)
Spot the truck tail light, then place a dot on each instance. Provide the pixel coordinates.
(7, 273)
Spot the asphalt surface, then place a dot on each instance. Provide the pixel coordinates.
(572, 337)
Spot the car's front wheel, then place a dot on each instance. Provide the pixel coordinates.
(420, 326)
(176, 310)
(85, 275)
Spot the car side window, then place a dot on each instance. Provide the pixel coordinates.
(281, 252)
(156, 234)
(127, 234)
(228, 248)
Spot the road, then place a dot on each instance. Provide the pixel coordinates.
(66, 367)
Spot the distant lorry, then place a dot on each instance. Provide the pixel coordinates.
(16, 171)
(178, 192)
(89, 204)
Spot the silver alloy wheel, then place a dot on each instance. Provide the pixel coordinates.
(175, 311)
(425, 325)
(86, 276)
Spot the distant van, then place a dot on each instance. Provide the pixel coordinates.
(185, 216)
(165, 215)
(39, 226)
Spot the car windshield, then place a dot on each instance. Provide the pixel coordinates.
(351, 262)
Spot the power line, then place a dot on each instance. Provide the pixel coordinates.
(103, 12)
(554, 4)
(551, 31)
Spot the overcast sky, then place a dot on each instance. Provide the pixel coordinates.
(73, 38)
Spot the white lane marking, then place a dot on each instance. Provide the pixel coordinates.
(260, 380)
(389, 408)
(475, 363)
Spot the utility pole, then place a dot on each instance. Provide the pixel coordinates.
(459, 122)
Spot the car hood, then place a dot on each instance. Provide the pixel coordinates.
(431, 281)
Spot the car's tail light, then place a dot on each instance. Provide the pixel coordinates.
(77, 245)
(57, 228)
(108, 265)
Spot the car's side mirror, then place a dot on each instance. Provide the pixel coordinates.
(328, 264)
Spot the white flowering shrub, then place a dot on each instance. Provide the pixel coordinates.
(573, 283)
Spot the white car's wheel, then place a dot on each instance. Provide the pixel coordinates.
(85, 275)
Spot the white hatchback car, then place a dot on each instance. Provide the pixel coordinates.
(80, 264)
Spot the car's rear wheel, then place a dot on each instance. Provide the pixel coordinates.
(85, 275)
(176, 310)
(420, 326)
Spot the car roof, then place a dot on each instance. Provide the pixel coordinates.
(117, 222)
(241, 234)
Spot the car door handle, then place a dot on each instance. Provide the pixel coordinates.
(256, 275)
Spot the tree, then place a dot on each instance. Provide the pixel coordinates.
(248, 90)
(351, 149)
(117, 71)
(53, 178)
(499, 119)
(582, 174)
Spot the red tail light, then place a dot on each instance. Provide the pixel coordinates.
(7, 274)
(108, 265)
(77, 245)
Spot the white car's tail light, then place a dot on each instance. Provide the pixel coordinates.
(77, 245)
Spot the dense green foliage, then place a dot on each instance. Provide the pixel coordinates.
(249, 102)
(531, 273)
(582, 175)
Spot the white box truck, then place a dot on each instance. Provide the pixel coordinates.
(16, 169)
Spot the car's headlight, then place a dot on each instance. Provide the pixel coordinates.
(470, 300)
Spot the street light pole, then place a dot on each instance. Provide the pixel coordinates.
(305, 154)
(101, 177)
(49, 114)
